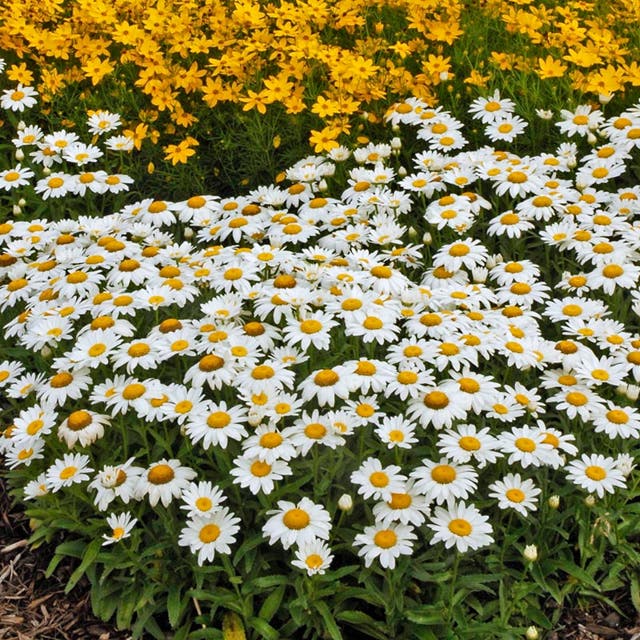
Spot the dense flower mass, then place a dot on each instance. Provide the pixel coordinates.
(373, 356)
(333, 58)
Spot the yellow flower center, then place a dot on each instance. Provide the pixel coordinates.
(469, 443)
(617, 416)
(443, 474)
(468, 385)
(458, 250)
(379, 479)
(218, 420)
(310, 326)
(184, 406)
(160, 474)
(460, 527)
(576, 398)
(210, 362)
(78, 420)
(209, 533)
(525, 444)
(314, 561)
(595, 472)
(372, 323)
(612, 271)
(55, 183)
(260, 469)
(315, 431)
(203, 503)
(232, 274)
(407, 377)
(68, 472)
(326, 378)
(381, 271)
(436, 400)
(133, 391)
(271, 440)
(263, 372)
(296, 519)
(385, 539)
(97, 349)
(515, 495)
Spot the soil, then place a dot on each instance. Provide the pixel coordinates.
(34, 608)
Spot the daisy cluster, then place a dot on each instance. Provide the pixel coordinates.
(288, 323)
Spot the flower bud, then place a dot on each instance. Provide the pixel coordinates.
(554, 501)
(322, 185)
(590, 501)
(46, 171)
(545, 114)
(494, 260)
(605, 98)
(46, 352)
(395, 128)
(22, 202)
(396, 143)
(16, 210)
(530, 553)
(22, 125)
(427, 238)
(19, 155)
(532, 633)
(625, 464)
(345, 502)
(188, 233)
(402, 172)
(479, 274)
(633, 391)
(591, 139)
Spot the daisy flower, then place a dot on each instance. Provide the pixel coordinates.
(71, 469)
(163, 481)
(617, 421)
(268, 444)
(208, 536)
(23, 454)
(56, 185)
(82, 426)
(257, 475)
(444, 481)
(19, 98)
(407, 507)
(18, 176)
(461, 526)
(527, 446)
(325, 385)
(219, 424)
(467, 252)
(580, 121)
(378, 482)
(386, 542)
(492, 108)
(299, 523)
(201, 499)
(396, 431)
(505, 128)
(314, 557)
(466, 443)
(116, 481)
(512, 492)
(121, 527)
(438, 407)
(596, 473)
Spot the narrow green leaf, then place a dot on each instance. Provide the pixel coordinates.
(329, 620)
(174, 608)
(90, 554)
(272, 604)
(264, 629)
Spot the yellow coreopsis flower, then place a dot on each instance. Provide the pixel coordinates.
(550, 67)
(96, 68)
(180, 152)
(20, 73)
(324, 140)
(255, 100)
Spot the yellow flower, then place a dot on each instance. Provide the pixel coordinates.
(20, 73)
(476, 79)
(549, 67)
(180, 152)
(97, 68)
(255, 100)
(324, 140)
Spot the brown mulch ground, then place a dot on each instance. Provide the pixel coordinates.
(32, 608)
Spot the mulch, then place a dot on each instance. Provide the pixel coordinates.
(34, 608)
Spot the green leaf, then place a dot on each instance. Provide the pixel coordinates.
(174, 608)
(266, 582)
(427, 615)
(635, 592)
(271, 604)
(90, 554)
(536, 615)
(264, 629)
(355, 617)
(329, 620)
(206, 634)
(577, 572)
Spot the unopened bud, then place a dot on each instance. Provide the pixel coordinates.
(494, 260)
(46, 352)
(188, 233)
(46, 171)
(532, 633)
(554, 501)
(254, 418)
(16, 210)
(22, 125)
(413, 233)
(633, 391)
(345, 502)
(591, 139)
(590, 501)
(322, 185)
(396, 143)
(402, 172)
(479, 274)
(22, 202)
(625, 464)
(395, 128)
(530, 553)
(605, 98)
(427, 238)
(19, 155)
